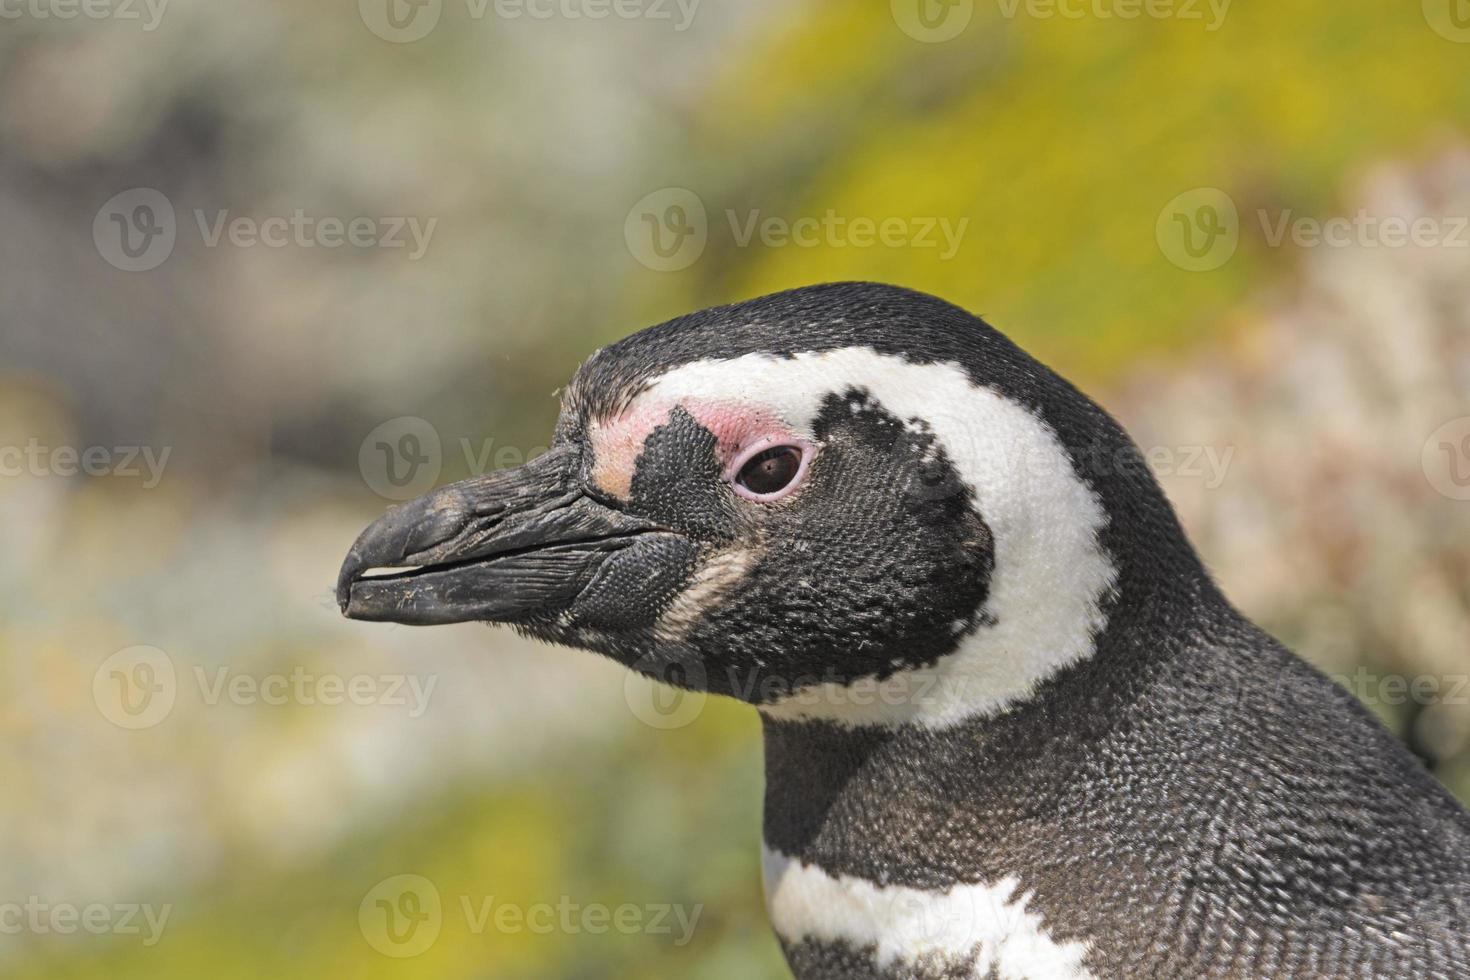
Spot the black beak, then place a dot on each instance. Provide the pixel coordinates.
(511, 546)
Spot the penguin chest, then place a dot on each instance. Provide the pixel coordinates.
(835, 925)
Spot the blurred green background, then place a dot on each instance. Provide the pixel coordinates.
(577, 170)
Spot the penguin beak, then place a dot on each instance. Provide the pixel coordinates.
(509, 546)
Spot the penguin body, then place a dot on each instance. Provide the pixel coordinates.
(1011, 726)
(1270, 834)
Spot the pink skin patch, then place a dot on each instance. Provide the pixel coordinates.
(740, 431)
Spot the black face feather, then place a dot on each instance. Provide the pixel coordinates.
(881, 565)
(677, 480)
(878, 563)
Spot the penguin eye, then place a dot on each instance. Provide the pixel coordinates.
(771, 471)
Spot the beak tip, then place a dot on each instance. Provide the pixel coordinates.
(351, 566)
(405, 529)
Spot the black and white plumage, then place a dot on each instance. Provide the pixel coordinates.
(1012, 728)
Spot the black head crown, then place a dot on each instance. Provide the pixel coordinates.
(789, 498)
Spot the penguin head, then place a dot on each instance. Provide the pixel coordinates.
(851, 502)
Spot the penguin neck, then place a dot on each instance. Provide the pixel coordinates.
(840, 798)
(855, 799)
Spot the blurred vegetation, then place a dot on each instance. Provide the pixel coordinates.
(1060, 141)
(679, 827)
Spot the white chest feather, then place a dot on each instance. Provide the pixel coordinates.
(987, 927)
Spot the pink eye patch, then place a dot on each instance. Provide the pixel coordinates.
(760, 456)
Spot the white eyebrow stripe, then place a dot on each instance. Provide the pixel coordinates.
(1051, 573)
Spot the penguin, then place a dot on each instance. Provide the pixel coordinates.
(1012, 728)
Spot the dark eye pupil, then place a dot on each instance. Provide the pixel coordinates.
(771, 470)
